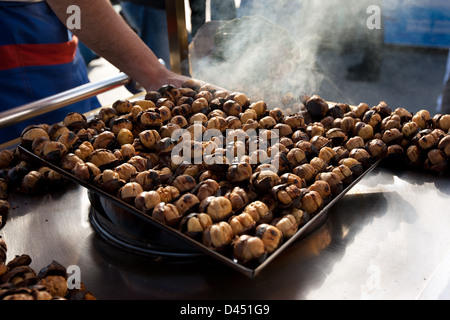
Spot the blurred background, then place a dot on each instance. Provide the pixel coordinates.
(325, 48)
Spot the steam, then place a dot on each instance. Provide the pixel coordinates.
(275, 48)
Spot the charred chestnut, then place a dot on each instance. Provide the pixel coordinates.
(270, 235)
(166, 213)
(242, 223)
(247, 249)
(287, 225)
(259, 211)
(194, 224)
(218, 208)
(129, 192)
(311, 202)
(218, 236)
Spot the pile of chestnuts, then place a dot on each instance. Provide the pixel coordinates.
(244, 206)
(18, 281)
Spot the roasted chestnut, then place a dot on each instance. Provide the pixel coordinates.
(311, 202)
(30, 133)
(166, 213)
(354, 165)
(186, 203)
(103, 159)
(218, 208)
(323, 188)
(317, 107)
(286, 194)
(194, 224)
(270, 235)
(259, 211)
(242, 223)
(239, 172)
(238, 198)
(168, 194)
(264, 181)
(129, 192)
(305, 171)
(218, 236)
(287, 225)
(247, 249)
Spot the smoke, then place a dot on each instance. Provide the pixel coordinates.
(275, 47)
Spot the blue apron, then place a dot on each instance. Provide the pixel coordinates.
(39, 57)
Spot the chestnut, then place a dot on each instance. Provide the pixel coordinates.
(286, 194)
(247, 249)
(109, 181)
(311, 202)
(414, 156)
(103, 159)
(287, 225)
(323, 188)
(270, 235)
(166, 213)
(391, 136)
(6, 158)
(264, 181)
(259, 211)
(105, 140)
(435, 161)
(344, 173)
(260, 108)
(296, 157)
(354, 142)
(125, 171)
(363, 130)
(218, 236)
(187, 202)
(33, 182)
(305, 171)
(30, 133)
(333, 181)
(239, 172)
(147, 201)
(362, 155)
(354, 165)
(377, 148)
(206, 188)
(218, 208)
(168, 194)
(122, 106)
(53, 151)
(4, 211)
(337, 136)
(238, 198)
(129, 192)
(193, 225)
(444, 146)
(149, 138)
(242, 223)
(317, 107)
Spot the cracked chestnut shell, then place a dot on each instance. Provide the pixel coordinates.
(242, 223)
(247, 249)
(311, 202)
(30, 133)
(270, 235)
(287, 225)
(53, 151)
(103, 159)
(259, 211)
(264, 181)
(218, 236)
(193, 225)
(239, 172)
(238, 198)
(166, 213)
(218, 208)
(129, 192)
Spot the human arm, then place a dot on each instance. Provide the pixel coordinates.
(104, 31)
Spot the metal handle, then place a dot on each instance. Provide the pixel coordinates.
(57, 101)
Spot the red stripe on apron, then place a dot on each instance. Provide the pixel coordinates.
(26, 55)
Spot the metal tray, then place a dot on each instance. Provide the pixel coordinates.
(193, 244)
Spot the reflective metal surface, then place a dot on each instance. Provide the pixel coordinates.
(386, 239)
(57, 101)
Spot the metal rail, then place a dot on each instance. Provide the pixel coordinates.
(60, 100)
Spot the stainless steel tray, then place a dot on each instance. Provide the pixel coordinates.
(196, 246)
